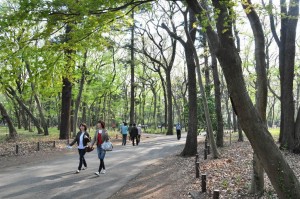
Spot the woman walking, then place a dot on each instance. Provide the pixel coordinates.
(101, 136)
(82, 138)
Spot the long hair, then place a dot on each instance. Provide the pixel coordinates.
(84, 125)
(102, 124)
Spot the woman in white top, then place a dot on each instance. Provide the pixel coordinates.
(82, 138)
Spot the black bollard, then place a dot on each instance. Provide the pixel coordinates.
(205, 144)
(197, 158)
(17, 149)
(38, 146)
(216, 194)
(203, 182)
(197, 169)
(208, 150)
(205, 154)
(53, 144)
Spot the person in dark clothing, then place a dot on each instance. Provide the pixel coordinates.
(178, 131)
(82, 138)
(133, 134)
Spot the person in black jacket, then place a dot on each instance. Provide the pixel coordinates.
(133, 134)
(82, 138)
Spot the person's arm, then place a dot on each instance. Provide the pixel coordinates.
(94, 140)
(73, 142)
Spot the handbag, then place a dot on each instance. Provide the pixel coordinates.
(107, 146)
(89, 148)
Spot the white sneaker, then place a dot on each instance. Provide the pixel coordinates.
(77, 171)
(84, 168)
(97, 173)
(103, 171)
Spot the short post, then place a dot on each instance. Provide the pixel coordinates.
(17, 149)
(216, 194)
(208, 149)
(38, 146)
(197, 158)
(205, 143)
(205, 154)
(203, 183)
(197, 170)
(54, 144)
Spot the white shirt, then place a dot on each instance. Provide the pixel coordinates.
(80, 146)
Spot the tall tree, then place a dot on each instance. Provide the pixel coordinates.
(289, 12)
(191, 141)
(66, 94)
(257, 183)
(132, 85)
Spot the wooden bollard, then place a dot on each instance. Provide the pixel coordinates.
(205, 154)
(17, 149)
(208, 150)
(203, 183)
(197, 158)
(38, 146)
(197, 169)
(216, 194)
(53, 144)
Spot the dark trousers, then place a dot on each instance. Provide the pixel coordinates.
(101, 166)
(134, 138)
(124, 139)
(81, 158)
(178, 134)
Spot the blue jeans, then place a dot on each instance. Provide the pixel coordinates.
(124, 139)
(101, 152)
(81, 158)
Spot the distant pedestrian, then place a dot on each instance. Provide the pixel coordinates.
(139, 127)
(124, 132)
(178, 131)
(101, 136)
(134, 134)
(82, 138)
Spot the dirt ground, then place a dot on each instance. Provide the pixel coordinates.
(174, 176)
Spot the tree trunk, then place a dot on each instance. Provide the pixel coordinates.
(220, 126)
(78, 98)
(66, 94)
(66, 98)
(257, 183)
(280, 174)
(132, 73)
(12, 131)
(170, 103)
(234, 120)
(241, 136)
(286, 46)
(191, 140)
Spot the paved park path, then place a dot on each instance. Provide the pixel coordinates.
(55, 178)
